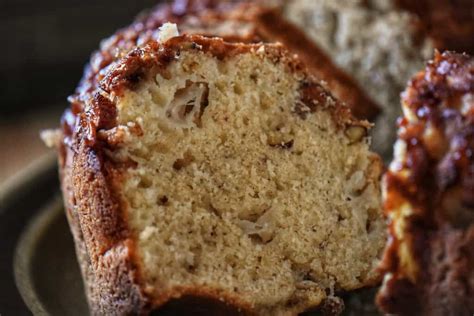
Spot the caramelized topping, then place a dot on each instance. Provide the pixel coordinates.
(430, 193)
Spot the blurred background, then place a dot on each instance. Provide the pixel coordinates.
(45, 45)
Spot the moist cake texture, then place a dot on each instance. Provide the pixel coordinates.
(204, 170)
(429, 195)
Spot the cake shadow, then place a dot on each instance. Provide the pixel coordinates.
(46, 270)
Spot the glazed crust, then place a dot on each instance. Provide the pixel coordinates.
(91, 182)
(429, 195)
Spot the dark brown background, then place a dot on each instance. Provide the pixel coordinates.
(45, 45)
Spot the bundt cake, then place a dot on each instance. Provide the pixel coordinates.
(211, 177)
(429, 195)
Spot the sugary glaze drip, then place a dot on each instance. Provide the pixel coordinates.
(429, 194)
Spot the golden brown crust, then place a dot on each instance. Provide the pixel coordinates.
(154, 57)
(430, 195)
(104, 250)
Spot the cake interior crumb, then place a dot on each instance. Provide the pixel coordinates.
(234, 192)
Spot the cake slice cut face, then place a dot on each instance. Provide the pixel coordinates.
(237, 177)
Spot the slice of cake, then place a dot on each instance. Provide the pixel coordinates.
(429, 195)
(202, 176)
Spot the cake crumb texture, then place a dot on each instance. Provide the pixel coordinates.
(231, 175)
